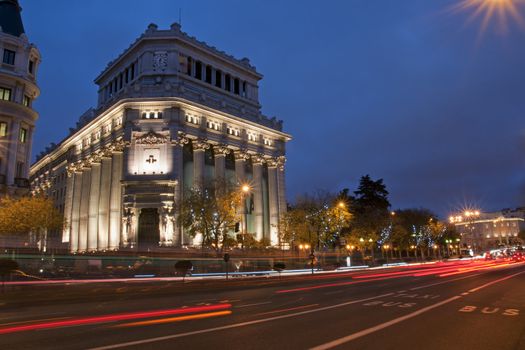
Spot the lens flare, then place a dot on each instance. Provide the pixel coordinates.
(489, 11)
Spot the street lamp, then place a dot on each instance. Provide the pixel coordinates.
(245, 189)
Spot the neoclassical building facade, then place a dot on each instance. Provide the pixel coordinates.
(18, 90)
(173, 113)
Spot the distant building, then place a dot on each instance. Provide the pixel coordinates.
(172, 112)
(18, 90)
(484, 231)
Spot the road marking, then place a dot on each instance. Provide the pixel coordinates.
(174, 319)
(235, 325)
(255, 304)
(496, 281)
(370, 330)
(381, 326)
(284, 310)
(447, 281)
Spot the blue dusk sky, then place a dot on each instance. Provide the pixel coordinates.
(409, 91)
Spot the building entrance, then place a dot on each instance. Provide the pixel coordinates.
(148, 236)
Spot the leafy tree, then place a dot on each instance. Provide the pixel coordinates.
(370, 209)
(29, 215)
(210, 210)
(315, 219)
(521, 235)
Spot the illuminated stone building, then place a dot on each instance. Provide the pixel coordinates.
(18, 89)
(172, 112)
(485, 231)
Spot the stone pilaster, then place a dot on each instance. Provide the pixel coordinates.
(257, 162)
(68, 205)
(221, 152)
(75, 212)
(273, 201)
(281, 185)
(199, 148)
(94, 194)
(84, 210)
(115, 199)
(103, 205)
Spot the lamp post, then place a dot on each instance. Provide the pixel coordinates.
(245, 189)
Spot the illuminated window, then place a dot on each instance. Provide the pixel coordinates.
(9, 56)
(5, 94)
(267, 142)
(233, 131)
(252, 137)
(27, 101)
(212, 124)
(97, 136)
(192, 119)
(152, 115)
(3, 129)
(23, 135)
(118, 121)
(107, 128)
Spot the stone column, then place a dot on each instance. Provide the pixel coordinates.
(75, 212)
(68, 203)
(281, 185)
(240, 161)
(199, 147)
(178, 170)
(220, 152)
(94, 198)
(103, 204)
(115, 199)
(14, 131)
(273, 201)
(257, 162)
(84, 210)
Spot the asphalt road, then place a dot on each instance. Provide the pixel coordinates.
(463, 305)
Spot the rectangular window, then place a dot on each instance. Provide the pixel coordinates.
(31, 66)
(126, 75)
(3, 129)
(132, 71)
(218, 78)
(19, 169)
(5, 94)
(236, 86)
(23, 135)
(198, 70)
(27, 101)
(9, 57)
(188, 66)
(208, 74)
(227, 82)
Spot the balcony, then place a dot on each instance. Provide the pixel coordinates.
(21, 182)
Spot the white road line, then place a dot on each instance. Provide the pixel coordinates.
(235, 325)
(381, 326)
(367, 331)
(496, 281)
(447, 281)
(246, 305)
